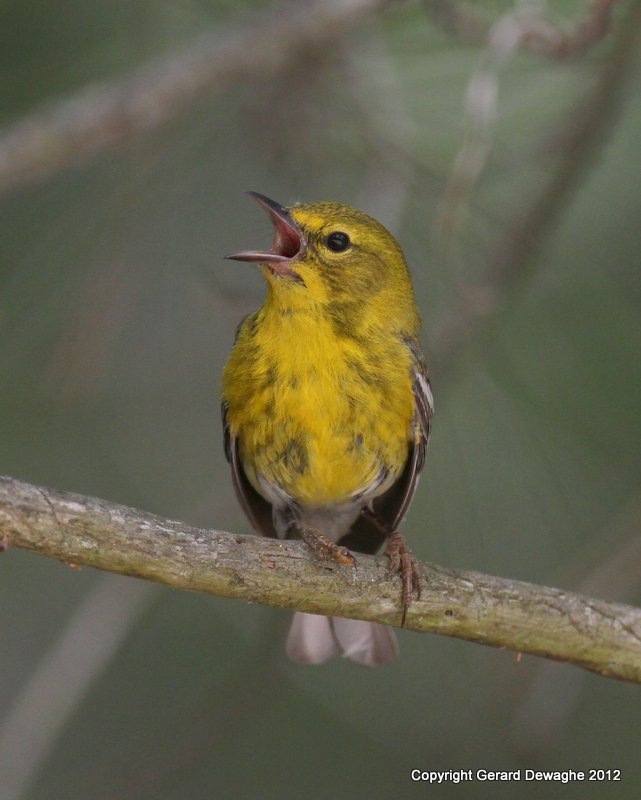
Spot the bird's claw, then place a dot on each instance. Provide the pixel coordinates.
(404, 561)
(327, 550)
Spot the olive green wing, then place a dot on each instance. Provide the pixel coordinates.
(256, 508)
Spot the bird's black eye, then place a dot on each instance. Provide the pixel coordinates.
(338, 241)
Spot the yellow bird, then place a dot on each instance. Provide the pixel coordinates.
(327, 406)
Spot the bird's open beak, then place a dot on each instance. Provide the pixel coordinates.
(288, 241)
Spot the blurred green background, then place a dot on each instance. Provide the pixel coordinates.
(117, 312)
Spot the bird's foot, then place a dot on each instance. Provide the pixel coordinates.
(401, 560)
(404, 561)
(325, 549)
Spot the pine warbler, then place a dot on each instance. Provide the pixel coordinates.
(327, 406)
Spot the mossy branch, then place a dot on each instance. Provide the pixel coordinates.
(596, 635)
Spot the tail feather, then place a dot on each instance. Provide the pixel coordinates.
(314, 639)
(366, 643)
(310, 639)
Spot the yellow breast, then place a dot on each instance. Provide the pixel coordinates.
(320, 414)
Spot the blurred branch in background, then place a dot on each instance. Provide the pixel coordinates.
(106, 114)
(574, 147)
(539, 35)
(503, 41)
(593, 634)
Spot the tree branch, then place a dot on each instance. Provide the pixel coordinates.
(596, 635)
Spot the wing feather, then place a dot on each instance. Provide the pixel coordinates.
(257, 509)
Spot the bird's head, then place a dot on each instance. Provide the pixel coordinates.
(330, 254)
